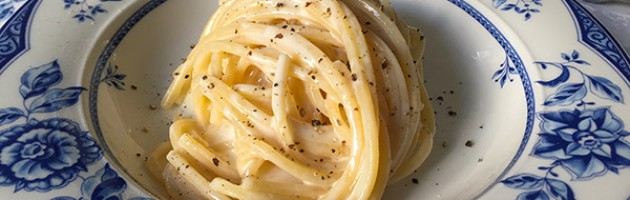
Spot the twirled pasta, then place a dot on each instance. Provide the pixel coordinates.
(291, 99)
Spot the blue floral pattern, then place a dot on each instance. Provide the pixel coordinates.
(105, 184)
(584, 139)
(524, 7)
(86, 9)
(506, 69)
(41, 154)
(112, 78)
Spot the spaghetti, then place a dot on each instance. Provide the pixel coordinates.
(298, 99)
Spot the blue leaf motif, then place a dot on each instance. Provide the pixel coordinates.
(560, 190)
(508, 7)
(605, 89)
(564, 77)
(498, 3)
(108, 173)
(37, 80)
(110, 189)
(9, 115)
(56, 99)
(533, 195)
(524, 181)
(565, 56)
(567, 94)
(575, 55)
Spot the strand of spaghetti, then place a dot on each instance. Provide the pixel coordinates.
(179, 85)
(212, 160)
(279, 102)
(239, 192)
(308, 191)
(192, 176)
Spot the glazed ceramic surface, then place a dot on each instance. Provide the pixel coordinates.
(529, 98)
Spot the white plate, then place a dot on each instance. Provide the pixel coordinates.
(529, 97)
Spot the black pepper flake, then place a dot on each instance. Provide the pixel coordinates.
(292, 146)
(444, 144)
(469, 143)
(415, 181)
(285, 26)
(316, 122)
(368, 23)
(384, 64)
(452, 113)
(176, 74)
(313, 77)
(249, 53)
(211, 86)
(192, 46)
(440, 98)
(133, 87)
(320, 60)
(215, 161)
(279, 36)
(354, 77)
(187, 76)
(138, 154)
(152, 107)
(333, 150)
(278, 5)
(204, 77)
(275, 84)
(308, 4)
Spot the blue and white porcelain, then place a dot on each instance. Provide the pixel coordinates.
(530, 98)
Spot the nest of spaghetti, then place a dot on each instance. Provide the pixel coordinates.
(297, 99)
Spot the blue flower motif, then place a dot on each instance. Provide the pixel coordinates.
(45, 155)
(587, 143)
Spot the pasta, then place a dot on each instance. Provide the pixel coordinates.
(297, 99)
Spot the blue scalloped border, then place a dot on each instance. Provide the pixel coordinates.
(15, 34)
(102, 63)
(520, 67)
(593, 34)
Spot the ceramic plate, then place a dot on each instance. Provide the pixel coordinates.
(529, 98)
